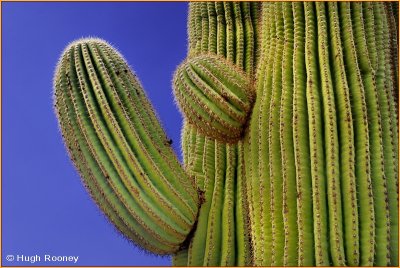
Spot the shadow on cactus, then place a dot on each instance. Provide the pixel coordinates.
(290, 137)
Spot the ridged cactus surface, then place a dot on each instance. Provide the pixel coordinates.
(118, 146)
(216, 96)
(228, 30)
(290, 137)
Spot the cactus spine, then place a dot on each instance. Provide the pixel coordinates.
(290, 139)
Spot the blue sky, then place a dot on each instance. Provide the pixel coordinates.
(46, 210)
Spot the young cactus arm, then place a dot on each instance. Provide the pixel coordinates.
(119, 147)
(215, 95)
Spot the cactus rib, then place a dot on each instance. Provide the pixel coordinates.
(286, 139)
(346, 142)
(301, 145)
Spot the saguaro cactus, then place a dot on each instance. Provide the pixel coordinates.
(290, 137)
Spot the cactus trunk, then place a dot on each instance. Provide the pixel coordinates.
(337, 77)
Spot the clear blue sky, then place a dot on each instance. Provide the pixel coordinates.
(46, 210)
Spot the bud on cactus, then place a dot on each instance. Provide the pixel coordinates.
(215, 96)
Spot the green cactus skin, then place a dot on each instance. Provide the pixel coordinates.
(290, 137)
(116, 142)
(220, 28)
(219, 108)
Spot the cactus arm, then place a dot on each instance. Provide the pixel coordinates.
(286, 139)
(220, 93)
(96, 104)
(384, 87)
(155, 140)
(151, 192)
(136, 201)
(87, 162)
(198, 37)
(301, 144)
(316, 138)
(71, 103)
(149, 163)
(346, 141)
